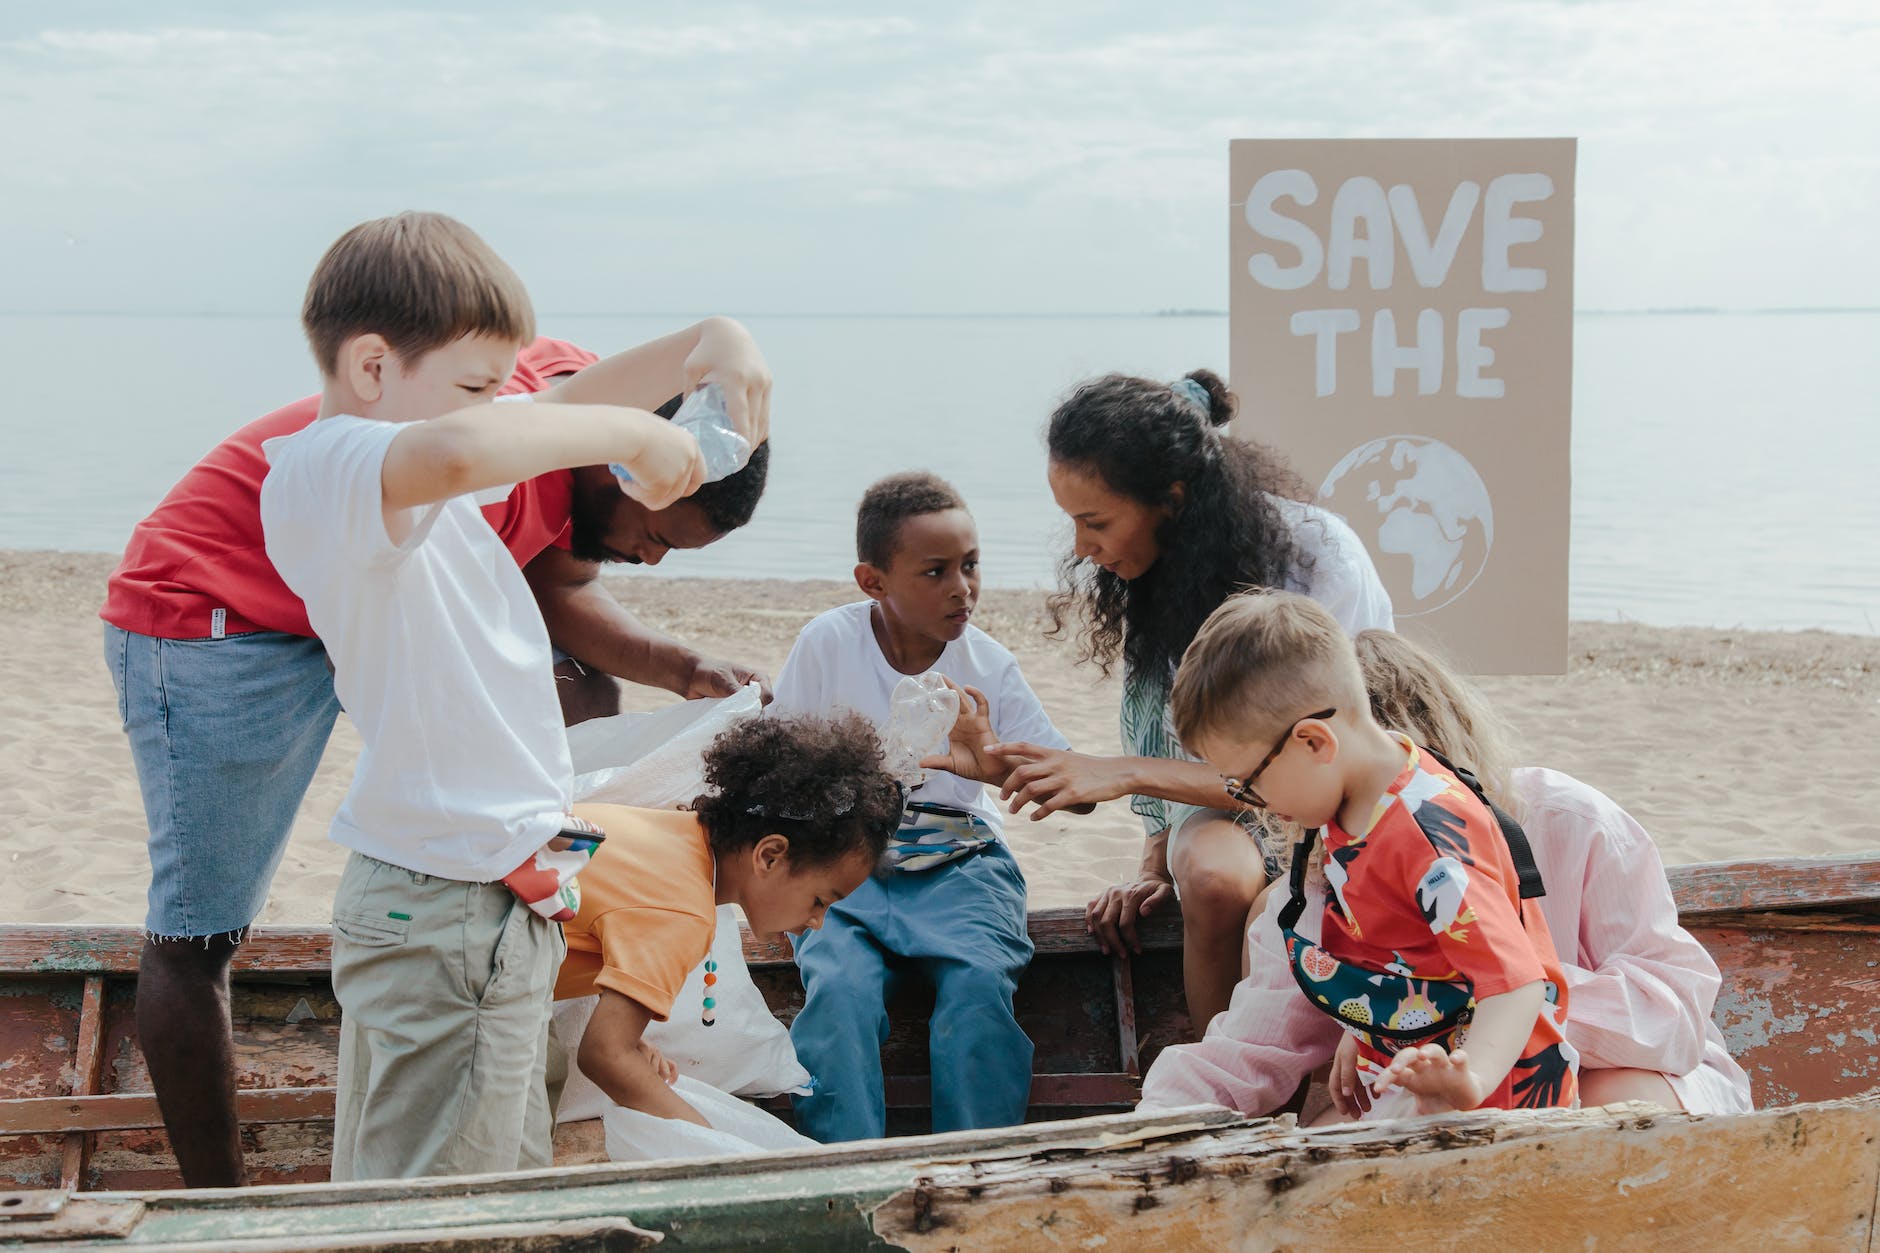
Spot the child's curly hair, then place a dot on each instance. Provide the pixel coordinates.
(817, 781)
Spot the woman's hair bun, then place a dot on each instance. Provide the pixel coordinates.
(1221, 402)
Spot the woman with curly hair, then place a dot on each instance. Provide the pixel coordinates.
(1171, 518)
(797, 813)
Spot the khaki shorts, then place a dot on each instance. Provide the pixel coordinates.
(444, 990)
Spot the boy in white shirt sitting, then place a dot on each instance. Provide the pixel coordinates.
(444, 948)
(950, 905)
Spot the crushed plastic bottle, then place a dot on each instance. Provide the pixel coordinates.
(703, 413)
(921, 712)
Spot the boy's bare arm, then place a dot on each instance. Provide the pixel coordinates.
(649, 375)
(1465, 1078)
(614, 1056)
(485, 446)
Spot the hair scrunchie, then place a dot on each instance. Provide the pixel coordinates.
(1195, 394)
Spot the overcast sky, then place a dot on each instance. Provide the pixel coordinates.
(1024, 157)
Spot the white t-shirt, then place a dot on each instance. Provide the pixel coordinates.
(1342, 578)
(439, 655)
(837, 664)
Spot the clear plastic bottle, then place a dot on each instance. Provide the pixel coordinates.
(703, 413)
(921, 712)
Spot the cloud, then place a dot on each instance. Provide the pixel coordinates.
(251, 138)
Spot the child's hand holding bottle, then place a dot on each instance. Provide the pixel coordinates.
(703, 415)
(664, 466)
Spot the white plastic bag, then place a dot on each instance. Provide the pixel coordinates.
(654, 760)
(736, 1128)
(921, 713)
(746, 1051)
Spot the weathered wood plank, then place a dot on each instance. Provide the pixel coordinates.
(91, 1219)
(1123, 981)
(78, 1115)
(86, 950)
(1790, 883)
(86, 1058)
(120, 1111)
(1801, 1178)
(1797, 1178)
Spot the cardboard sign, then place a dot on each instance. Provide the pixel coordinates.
(1402, 328)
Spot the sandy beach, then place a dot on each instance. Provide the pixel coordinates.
(1725, 744)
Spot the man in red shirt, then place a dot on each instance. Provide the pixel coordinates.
(228, 701)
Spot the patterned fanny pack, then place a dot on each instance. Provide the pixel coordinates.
(932, 835)
(546, 882)
(1386, 1009)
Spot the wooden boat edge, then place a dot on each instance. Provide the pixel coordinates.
(1161, 1177)
(1703, 891)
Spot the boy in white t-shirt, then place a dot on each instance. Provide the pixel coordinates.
(444, 948)
(951, 905)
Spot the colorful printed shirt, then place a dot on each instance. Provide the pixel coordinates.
(1428, 889)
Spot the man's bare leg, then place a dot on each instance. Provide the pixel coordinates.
(188, 1042)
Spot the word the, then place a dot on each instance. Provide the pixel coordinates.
(1367, 223)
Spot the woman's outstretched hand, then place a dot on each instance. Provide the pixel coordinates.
(1112, 917)
(1057, 778)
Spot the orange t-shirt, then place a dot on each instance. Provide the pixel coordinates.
(647, 908)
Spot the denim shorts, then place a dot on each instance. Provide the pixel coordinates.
(226, 734)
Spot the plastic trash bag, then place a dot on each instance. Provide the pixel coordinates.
(654, 760)
(921, 711)
(746, 1051)
(736, 1128)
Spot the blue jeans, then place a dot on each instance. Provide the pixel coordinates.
(962, 927)
(226, 734)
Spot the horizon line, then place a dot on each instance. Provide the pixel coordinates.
(1647, 311)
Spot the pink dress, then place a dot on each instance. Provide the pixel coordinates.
(1641, 989)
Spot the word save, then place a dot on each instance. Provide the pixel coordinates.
(1367, 223)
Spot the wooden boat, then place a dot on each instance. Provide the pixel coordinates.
(1798, 942)
(1797, 1177)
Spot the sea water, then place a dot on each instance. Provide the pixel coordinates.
(1723, 464)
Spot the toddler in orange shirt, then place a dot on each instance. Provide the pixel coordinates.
(797, 813)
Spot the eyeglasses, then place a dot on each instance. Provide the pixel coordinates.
(1241, 789)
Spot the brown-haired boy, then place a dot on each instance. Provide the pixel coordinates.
(1425, 908)
(371, 516)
